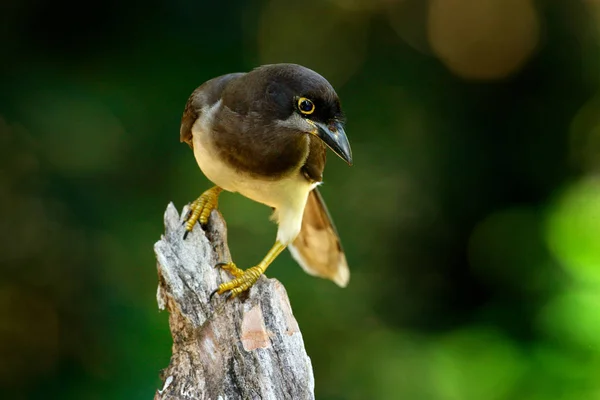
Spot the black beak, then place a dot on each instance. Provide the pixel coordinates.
(334, 136)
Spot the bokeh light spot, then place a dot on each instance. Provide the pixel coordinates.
(475, 364)
(483, 39)
(574, 318)
(573, 230)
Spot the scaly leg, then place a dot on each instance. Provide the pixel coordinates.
(245, 279)
(231, 268)
(201, 208)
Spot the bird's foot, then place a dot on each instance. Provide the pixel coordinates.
(242, 282)
(231, 268)
(201, 208)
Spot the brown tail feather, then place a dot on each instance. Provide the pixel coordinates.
(317, 248)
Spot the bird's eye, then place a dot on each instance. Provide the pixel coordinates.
(305, 106)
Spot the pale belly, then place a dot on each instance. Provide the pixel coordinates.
(288, 196)
(273, 193)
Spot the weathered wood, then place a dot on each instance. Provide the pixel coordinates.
(249, 347)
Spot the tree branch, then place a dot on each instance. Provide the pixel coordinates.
(249, 347)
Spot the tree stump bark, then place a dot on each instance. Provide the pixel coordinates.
(249, 347)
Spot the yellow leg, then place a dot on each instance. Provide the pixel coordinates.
(201, 208)
(245, 279)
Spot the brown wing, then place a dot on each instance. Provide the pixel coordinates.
(318, 248)
(190, 115)
(205, 95)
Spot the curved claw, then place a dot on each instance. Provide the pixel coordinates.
(187, 215)
(185, 234)
(231, 268)
(228, 295)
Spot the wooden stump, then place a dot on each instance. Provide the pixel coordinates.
(249, 347)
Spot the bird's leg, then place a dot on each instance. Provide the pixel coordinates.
(245, 279)
(201, 208)
(231, 268)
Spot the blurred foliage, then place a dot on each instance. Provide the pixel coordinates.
(471, 218)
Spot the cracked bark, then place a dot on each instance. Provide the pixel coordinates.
(246, 348)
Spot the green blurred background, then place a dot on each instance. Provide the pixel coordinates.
(471, 217)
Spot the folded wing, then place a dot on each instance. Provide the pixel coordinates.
(317, 248)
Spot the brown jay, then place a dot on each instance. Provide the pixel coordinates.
(264, 134)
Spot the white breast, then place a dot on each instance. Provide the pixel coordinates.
(288, 196)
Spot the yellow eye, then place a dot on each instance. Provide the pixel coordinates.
(305, 106)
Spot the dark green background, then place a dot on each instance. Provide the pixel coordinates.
(471, 217)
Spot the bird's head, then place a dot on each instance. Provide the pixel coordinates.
(297, 98)
(320, 115)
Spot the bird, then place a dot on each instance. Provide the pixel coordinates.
(264, 134)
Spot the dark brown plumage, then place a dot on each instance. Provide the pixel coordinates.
(244, 130)
(249, 135)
